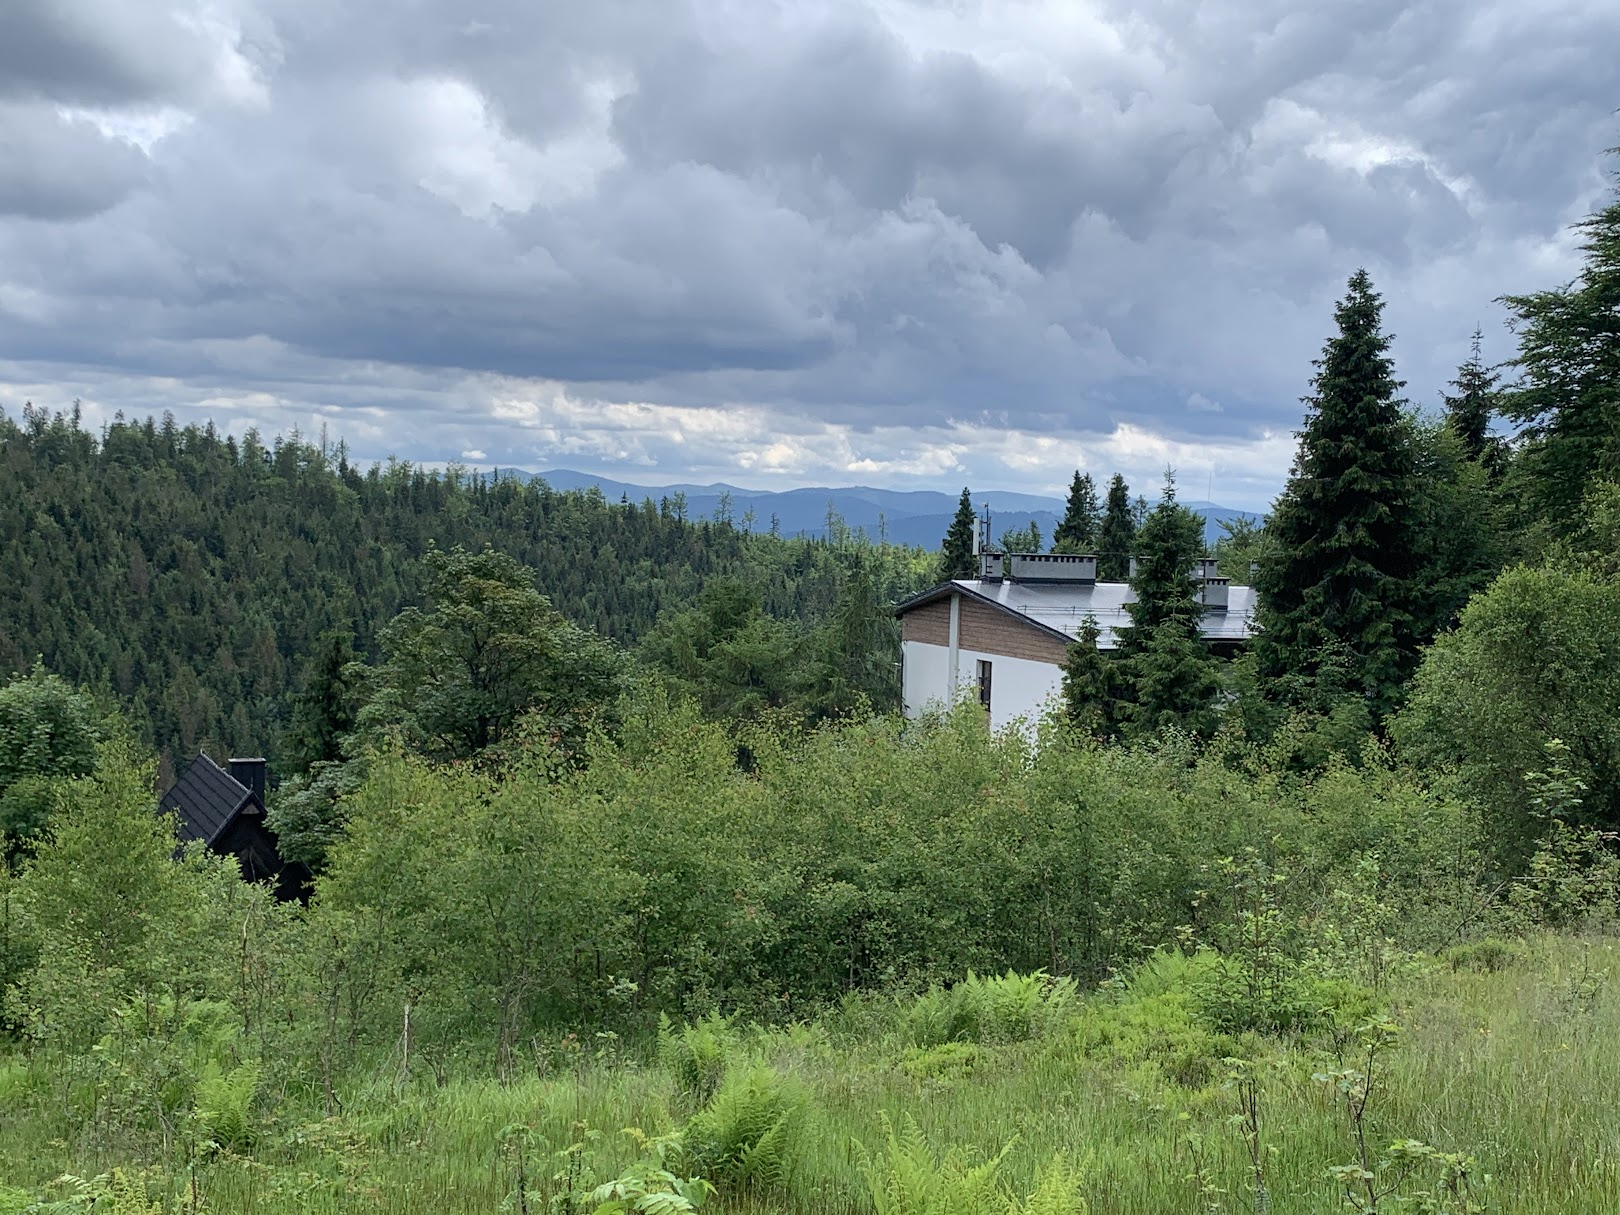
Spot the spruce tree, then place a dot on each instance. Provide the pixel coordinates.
(1172, 674)
(1171, 540)
(1468, 414)
(1077, 532)
(323, 711)
(1341, 535)
(1091, 685)
(1117, 536)
(1175, 682)
(1568, 396)
(956, 556)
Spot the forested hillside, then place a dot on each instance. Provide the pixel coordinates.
(192, 577)
(1328, 926)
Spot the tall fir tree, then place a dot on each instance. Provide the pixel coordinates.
(1468, 413)
(1174, 682)
(956, 556)
(1341, 550)
(1171, 540)
(1116, 538)
(1170, 669)
(1077, 532)
(324, 708)
(1568, 396)
(1092, 685)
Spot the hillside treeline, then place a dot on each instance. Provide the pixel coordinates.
(192, 578)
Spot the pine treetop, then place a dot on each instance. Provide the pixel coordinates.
(956, 556)
(1343, 527)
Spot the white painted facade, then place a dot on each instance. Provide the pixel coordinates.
(1019, 688)
(1050, 607)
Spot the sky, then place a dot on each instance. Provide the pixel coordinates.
(884, 242)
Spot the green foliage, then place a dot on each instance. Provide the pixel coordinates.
(744, 1139)
(911, 1177)
(1169, 542)
(988, 1010)
(1077, 531)
(1026, 539)
(695, 1055)
(725, 653)
(107, 910)
(646, 1186)
(325, 706)
(48, 730)
(1175, 681)
(1342, 544)
(199, 577)
(457, 678)
(1094, 686)
(956, 550)
(1568, 395)
(1240, 544)
(1116, 535)
(1531, 660)
(114, 1193)
(1469, 411)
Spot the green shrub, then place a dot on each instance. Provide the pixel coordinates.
(1485, 956)
(911, 1178)
(1155, 1019)
(695, 1055)
(948, 1061)
(744, 1138)
(225, 1107)
(1012, 1008)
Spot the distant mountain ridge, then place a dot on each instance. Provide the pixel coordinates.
(918, 517)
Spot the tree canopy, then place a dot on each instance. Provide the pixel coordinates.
(1341, 557)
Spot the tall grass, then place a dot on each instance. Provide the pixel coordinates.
(1513, 1058)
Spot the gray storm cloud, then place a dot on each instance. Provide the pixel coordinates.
(873, 231)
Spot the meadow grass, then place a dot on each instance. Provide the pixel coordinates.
(1519, 1067)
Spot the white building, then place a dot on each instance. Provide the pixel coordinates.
(1004, 635)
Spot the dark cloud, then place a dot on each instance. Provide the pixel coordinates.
(53, 167)
(1091, 223)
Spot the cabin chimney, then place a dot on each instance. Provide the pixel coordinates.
(1079, 568)
(1216, 594)
(249, 773)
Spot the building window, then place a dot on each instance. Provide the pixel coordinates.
(984, 684)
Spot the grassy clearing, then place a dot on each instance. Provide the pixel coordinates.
(1517, 1066)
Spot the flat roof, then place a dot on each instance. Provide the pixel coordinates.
(1062, 607)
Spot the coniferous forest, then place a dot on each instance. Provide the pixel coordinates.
(630, 889)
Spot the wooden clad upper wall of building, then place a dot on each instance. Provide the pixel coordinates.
(984, 628)
(930, 623)
(992, 631)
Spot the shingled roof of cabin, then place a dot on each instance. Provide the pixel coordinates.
(206, 799)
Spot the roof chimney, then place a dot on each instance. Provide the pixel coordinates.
(249, 773)
(1052, 567)
(1216, 594)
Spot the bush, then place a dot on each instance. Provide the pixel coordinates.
(911, 1178)
(1012, 1008)
(744, 1138)
(1486, 956)
(695, 1055)
(948, 1061)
